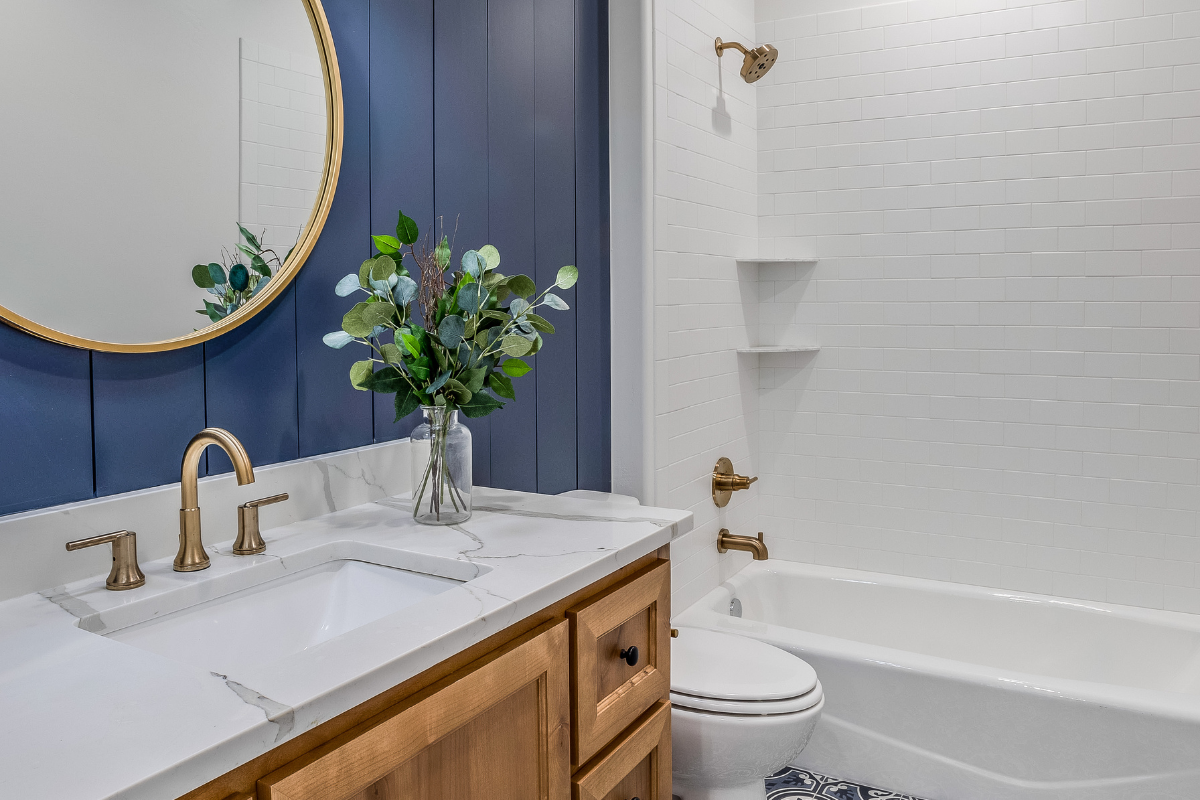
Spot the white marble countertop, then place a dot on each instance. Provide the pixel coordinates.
(86, 717)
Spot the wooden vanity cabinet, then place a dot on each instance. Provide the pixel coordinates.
(547, 709)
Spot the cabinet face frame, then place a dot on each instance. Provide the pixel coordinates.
(649, 738)
(598, 720)
(367, 753)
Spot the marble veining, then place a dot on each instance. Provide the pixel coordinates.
(137, 725)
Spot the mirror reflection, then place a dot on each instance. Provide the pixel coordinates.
(161, 159)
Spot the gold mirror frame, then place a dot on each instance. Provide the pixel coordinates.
(312, 230)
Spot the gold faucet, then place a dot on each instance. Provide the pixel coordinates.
(191, 556)
(727, 541)
(125, 572)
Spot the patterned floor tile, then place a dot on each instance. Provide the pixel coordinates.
(798, 784)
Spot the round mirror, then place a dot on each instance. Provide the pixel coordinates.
(168, 164)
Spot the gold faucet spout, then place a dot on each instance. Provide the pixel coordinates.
(727, 541)
(191, 556)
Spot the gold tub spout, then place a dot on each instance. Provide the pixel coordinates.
(727, 541)
(191, 556)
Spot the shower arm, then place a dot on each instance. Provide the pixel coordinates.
(723, 45)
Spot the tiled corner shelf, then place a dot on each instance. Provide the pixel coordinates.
(780, 348)
(799, 261)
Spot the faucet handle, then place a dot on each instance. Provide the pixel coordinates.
(249, 541)
(125, 573)
(725, 482)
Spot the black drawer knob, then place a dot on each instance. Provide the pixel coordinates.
(630, 655)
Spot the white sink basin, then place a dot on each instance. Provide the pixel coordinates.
(256, 626)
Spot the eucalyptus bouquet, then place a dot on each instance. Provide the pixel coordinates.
(455, 340)
(232, 282)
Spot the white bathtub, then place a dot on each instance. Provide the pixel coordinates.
(954, 692)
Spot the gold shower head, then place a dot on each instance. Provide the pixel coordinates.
(757, 62)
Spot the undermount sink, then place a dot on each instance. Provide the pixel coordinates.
(253, 626)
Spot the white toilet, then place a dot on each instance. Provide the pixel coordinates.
(741, 711)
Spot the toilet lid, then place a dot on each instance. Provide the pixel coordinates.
(721, 666)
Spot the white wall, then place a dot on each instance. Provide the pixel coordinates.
(1005, 201)
(705, 214)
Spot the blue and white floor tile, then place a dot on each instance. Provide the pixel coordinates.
(798, 784)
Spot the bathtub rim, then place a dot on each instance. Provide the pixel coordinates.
(704, 613)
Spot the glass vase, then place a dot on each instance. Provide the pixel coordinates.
(441, 468)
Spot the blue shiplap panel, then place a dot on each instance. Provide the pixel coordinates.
(460, 46)
(146, 406)
(511, 188)
(594, 401)
(45, 423)
(402, 102)
(332, 414)
(250, 385)
(554, 204)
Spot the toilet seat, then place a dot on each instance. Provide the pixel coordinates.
(719, 673)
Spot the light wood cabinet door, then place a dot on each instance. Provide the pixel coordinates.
(607, 692)
(636, 767)
(497, 730)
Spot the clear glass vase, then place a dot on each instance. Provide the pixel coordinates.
(441, 468)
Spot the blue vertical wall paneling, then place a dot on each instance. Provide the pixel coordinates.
(554, 238)
(511, 203)
(45, 422)
(333, 414)
(402, 101)
(592, 299)
(146, 406)
(460, 150)
(250, 386)
(489, 113)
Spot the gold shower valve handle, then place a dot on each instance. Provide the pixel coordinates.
(725, 482)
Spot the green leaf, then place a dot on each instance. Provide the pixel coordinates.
(515, 345)
(522, 286)
(383, 268)
(556, 302)
(406, 403)
(217, 273)
(474, 379)
(518, 306)
(382, 314)
(441, 254)
(202, 277)
(419, 372)
(469, 298)
(337, 340)
(405, 291)
(491, 256)
(493, 279)
(411, 344)
(387, 244)
(239, 277)
(391, 353)
(515, 367)
(499, 316)
(364, 273)
(451, 329)
(388, 380)
(360, 375)
(439, 383)
(406, 230)
(539, 323)
(259, 265)
(567, 276)
(501, 385)
(346, 286)
(473, 263)
(249, 237)
(214, 311)
(480, 405)
(353, 324)
(456, 390)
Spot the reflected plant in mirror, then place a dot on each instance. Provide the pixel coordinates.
(454, 342)
(232, 282)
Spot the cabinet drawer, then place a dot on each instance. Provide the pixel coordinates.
(607, 693)
(638, 766)
(497, 730)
